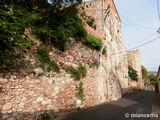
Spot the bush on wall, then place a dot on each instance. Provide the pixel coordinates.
(132, 73)
(93, 42)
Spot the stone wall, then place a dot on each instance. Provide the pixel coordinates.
(135, 62)
(26, 96)
(115, 63)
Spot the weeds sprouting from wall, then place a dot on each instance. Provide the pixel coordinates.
(79, 93)
(93, 42)
(42, 55)
(78, 73)
(94, 64)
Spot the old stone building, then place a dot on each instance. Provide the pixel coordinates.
(114, 66)
(157, 85)
(135, 62)
(27, 96)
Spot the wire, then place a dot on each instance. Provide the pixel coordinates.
(137, 24)
(144, 43)
(158, 9)
(143, 39)
(136, 46)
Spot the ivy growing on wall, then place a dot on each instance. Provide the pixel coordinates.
(78, 73)
(132, 73)
(50, 24)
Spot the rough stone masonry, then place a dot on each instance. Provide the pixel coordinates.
(26, 97)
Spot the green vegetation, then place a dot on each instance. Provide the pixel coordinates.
(51, 24)
(93, 42)
(104, 51)
(45, 117)
(153, 79)
(94, 64)
(78, 73)
(132, 73)
(42, 55)
(53, 66)
(82, 70)
(75, 74)
(144, 73)
(79, 93)
(89, 20)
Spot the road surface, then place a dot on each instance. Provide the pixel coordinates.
(130, 107)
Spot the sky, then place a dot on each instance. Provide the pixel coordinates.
(140, 22)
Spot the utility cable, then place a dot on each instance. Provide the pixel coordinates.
(144, 44)
(158, 9)
(137, 24)
(136, 46)
(143, 39)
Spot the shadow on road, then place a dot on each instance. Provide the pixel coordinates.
(125, 108)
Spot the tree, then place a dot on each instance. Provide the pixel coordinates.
(50, 24)
(144, 73)
(59, 3)
(153, 79)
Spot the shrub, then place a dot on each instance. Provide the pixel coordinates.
(47, 22)
(132, 73)
(11, 29)
(103, 51)
(43, 54)
(27, 44)
(93, 42)
(144, 73)
(78, 73)
(60, 28)
(75, 74)
(153, 79)
(90, 21)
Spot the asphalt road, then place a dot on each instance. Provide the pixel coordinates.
(130, 107)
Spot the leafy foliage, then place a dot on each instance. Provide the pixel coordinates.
(43, 54)
(75, 74)
(93, 42)
(79, 89)
(82, 70)
(90, 21)
(11, 29)
(132, 73)
(53, 66)
(50, 23)
(104, 51)
(144, 73)
(78, 73)
(153, 79)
